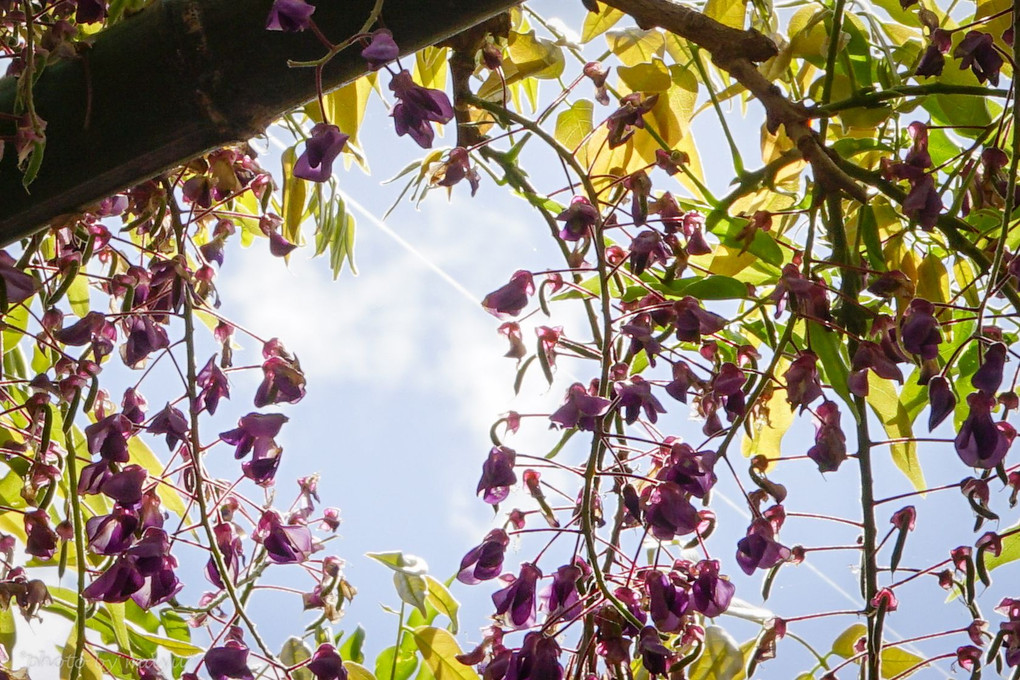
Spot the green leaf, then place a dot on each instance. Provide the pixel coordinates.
(89, 668)
(178, 647)
(445, 603)
(405, 666)
(439, 650)
(294, 652)
(827, 345)
(712, 287)
(352, 646)
(844, 644)
(78, 295)
(398, 561)
(120, 631)
(897, 423)
(412, 589)
(721, 658)
(355, 671)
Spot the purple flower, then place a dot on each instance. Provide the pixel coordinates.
(692, 321)
(41, 538)
(629, 117)
(981, 443)
(646, 250)
(683, 377)
(932, 61)
(255, 431)
(284, 543)
(18, 286)
(829, 450)
(807, 298)
(510, 299)
(920, 331)
(989, 376)
(214, 384)
(262, 468)
(171, 422)
(290, 16)
(484, 561)
(154, 562)
(381, 50)
(711, 594)
(125, 486)
(134, 406)
(923, 202)
(580, 409)
(282, 382)
(92, 476)
(802, 383)
(941, 399)
(321, 149)
(417, 109)
(759, 549)
(517, 600)
(689, 469)
(230, 660)
(278, 245)
(579, 218)
(326, 664)
(229, 545)
(561, 598)
(654, 655)
(641, 336)
(497, 475)
(538, 659)
(667, 604)
(108, 438)
(121, 580)
(143, 337)
(669, 513)
(112, 534)
(870, 355)
(637, 396)
(82, 331)
(977, 52)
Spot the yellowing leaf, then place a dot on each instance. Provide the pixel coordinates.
(78, 295)
(444, 602)
(346, 107)
(768, 431)
(721, 658)
(897, 423)
(1010, 549)
(896, 661)
(634, 46)
(535, 57)
(573, 124)
(933, 279)
(729, 12)
(439, 650)
(650, 76)
(430, 67)
(844, 644)
(597, 23)
(295, 197)
(355, 671)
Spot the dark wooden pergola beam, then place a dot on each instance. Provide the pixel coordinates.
(181, 78)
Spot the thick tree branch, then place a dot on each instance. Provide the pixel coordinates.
(183, 77)
(737, 52)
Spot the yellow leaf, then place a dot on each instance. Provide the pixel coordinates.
(573, 125)
(769, 429)
(535, 57)
(430, 67)
(295, 196)
(896, 661)
(933, 279)
(355, 671)
(646, 77)
(896, 421)
(347, 105)
(78, 295)
(597, 23)
(844, 644)
(728, 12)
(142, 455)
(439, 650)
(634, 46)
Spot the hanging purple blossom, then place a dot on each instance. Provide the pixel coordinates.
(669, 513)
(171, 422)
(636, 397)
(315, 164)
(759, 549)
(981, 443)
(829, 450)
(580, 409)
(381, 49)
(417, 109)
(484, 561)
(989, 375)
(511, 298)
(517, 601)
(290, 16)
(497, 475)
